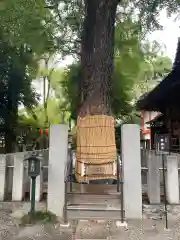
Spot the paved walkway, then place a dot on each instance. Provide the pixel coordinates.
(151, 228)
(135, 231)
(96, 231)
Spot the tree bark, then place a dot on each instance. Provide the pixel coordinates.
(97, 51)
(10, 124)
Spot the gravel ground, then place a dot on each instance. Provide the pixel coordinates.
(151, 228)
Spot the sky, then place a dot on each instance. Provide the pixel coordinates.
(169, 35)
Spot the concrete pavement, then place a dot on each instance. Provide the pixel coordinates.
(150, 228)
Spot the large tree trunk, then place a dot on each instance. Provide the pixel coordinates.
(97, 56)
(95, 135)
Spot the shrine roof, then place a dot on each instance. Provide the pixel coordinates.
(159, 117)
(167, 93)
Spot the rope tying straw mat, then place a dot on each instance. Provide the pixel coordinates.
(96, 149)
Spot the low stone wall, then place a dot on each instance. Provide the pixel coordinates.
(153, 175)
(14, 181)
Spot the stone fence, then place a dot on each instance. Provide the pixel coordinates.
(14, 181)
(152, 176)
(15, 184)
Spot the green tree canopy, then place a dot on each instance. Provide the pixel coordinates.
(27, 22)
(137, 66)
(15, 87)
(26, 33)
(154, 68)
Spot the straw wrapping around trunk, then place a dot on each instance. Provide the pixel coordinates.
(96, 149)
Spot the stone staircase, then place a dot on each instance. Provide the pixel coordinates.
(94, 202)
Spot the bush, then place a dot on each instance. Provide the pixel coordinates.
(38, 217)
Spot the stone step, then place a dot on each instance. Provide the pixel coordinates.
(100, 189)
(93, 199)
(93, 211)
(94, 207)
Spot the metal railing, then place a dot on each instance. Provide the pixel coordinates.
(68, 178)
(120, 185)
(146, 169)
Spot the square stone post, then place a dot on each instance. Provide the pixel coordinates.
(58, 149)
(153, 177)
(131, 162)
(172, 179)
(2, 176)
(18, 177)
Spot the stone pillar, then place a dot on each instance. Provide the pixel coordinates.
(2, 176)
(131, 162)
(18, 177)
(153, 177)
(172, 179)
(58, 148)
